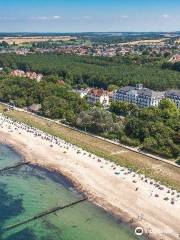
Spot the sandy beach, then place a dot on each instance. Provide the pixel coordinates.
(135, 199)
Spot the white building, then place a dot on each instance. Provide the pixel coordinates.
(98, 96)
(82, 92)
(143, 97)
(174, 95)
(39, 77)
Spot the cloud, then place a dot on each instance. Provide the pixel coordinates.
(56, 17)
(124, 16)
(7, 18)
(164, 16)
(44, 18)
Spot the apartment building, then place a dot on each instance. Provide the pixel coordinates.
(143, 97)
(98, 95)
(174, 95)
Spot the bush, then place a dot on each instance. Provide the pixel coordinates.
(162, 151)
(178, 162)
(129, 141)
(110, 136)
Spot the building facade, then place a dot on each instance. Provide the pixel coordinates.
(30, 75)
(82, 92)
(98, 96)
(174, 95)
(143, 97)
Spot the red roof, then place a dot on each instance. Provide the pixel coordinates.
(175, 58)
(97, 92)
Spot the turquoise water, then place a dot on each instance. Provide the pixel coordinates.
(8, 156)
(26, 191)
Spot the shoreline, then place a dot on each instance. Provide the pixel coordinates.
(126, 147)
(71, 172)
(164, 172)
(115, 213)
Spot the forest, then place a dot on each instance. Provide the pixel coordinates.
(171, 66)
(58, 101)
(99, 72)
(155, 129)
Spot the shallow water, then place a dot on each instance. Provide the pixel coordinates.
(8, 156)
(27, 191)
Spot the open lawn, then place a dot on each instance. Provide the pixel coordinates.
(165, 173)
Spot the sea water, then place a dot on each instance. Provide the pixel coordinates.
(28, 190)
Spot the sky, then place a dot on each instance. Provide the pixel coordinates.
(89, 15)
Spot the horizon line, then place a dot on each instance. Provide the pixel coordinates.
(175, 31)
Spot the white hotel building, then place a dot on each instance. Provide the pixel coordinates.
(174, 95)
(143, 97)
